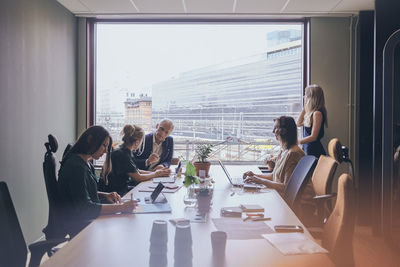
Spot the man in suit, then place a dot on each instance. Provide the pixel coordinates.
(158, 148)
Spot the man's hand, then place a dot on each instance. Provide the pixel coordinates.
(153, 158)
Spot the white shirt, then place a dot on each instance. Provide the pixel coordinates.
(157, 149)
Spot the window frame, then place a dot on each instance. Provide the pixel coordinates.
(91, 24)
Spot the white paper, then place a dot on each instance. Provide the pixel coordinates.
(294, 243)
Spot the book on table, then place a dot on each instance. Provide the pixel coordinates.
(251, 208)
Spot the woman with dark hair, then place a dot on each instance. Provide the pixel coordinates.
(285, 131)
(77, 182)
(125, 174)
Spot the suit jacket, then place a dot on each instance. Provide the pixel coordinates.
(166, 155)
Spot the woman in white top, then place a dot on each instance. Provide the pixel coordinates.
(285, 131)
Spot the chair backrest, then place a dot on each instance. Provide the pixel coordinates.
(67, 149)
(53, 228)
(339, 229)
(298, 180)
(323, 175)
(335, 150)
(13, 249)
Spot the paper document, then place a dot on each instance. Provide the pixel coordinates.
(238, 229)
(166, 179)
(294, 243)
(153, 208)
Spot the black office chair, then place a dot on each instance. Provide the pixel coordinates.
(54, 228)
(298, 180)
(67, 149)
(13, 251)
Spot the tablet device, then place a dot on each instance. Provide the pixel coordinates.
(156, 192)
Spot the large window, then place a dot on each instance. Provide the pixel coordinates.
(220, 83)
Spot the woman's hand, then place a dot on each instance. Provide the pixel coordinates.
(163, 172)
(253, 179)
(128, 206)
(113, 197)
(247, 174)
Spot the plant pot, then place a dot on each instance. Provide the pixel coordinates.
(202, 166)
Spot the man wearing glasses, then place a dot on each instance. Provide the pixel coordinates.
(158, 148)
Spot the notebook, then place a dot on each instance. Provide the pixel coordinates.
(238, 181)
(169, 179)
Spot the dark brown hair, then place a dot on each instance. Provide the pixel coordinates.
(287, 130)
(89, 142)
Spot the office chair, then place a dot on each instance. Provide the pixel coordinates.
(54, 227)
(298, 181)
(339, 229)
(322, 183)
(13, 251)
(67, 149)
(340, 153)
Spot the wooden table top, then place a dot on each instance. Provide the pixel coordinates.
(123, 239)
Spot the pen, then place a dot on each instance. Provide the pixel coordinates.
(261, 219)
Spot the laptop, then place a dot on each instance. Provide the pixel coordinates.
(238, 181)
(171, 178)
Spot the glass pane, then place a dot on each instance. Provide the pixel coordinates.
(218, 83)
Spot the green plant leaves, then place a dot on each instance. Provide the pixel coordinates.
(190, 175)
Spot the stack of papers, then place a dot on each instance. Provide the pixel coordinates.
(153, 208)
(294, 243)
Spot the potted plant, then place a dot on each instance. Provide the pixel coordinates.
(202, 152)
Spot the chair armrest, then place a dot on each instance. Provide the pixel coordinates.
(324, 197)
(38, 249)
(316, 232)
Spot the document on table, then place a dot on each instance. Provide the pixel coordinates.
(294, 243)
(153, 208)
(238, 229)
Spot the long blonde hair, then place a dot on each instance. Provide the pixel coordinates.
(315, 102)
(131, 133)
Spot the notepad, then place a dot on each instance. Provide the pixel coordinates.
(294, 243)
(251, 208)
(153, 208)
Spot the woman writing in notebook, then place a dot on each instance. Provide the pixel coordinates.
(77, 182)
(313, 117)
(285, 131)
(125, 174)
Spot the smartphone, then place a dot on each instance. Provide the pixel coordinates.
(288, 229)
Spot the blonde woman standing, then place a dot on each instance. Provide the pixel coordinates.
(313, 117)
(125, 173)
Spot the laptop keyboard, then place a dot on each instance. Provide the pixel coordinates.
(237, 180)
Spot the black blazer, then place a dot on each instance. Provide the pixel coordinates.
(166, 155)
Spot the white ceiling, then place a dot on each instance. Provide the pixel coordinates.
(273, 8)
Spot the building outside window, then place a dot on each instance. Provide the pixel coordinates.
(219, 83)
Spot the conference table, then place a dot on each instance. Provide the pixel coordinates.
(124, 239)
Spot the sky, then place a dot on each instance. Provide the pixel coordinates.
(135, 56)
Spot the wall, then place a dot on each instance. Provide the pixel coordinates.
(38, 51)
(81, 91)
(331, 60)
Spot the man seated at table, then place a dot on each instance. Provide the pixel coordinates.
(158, 148)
